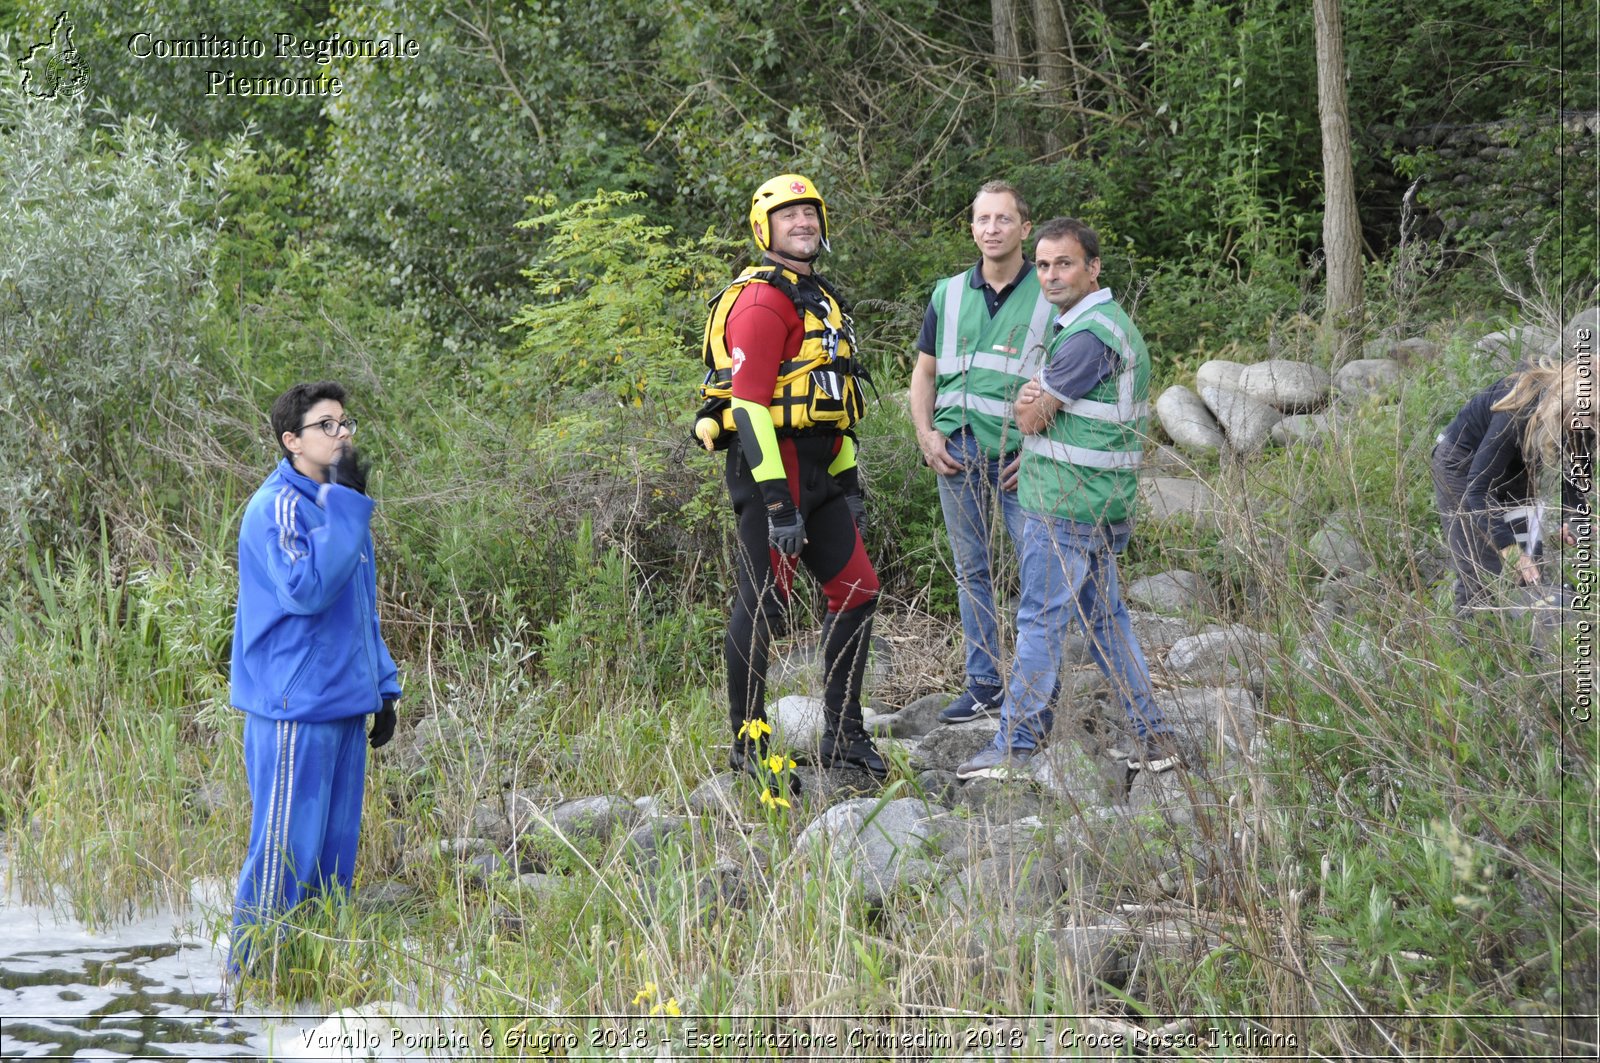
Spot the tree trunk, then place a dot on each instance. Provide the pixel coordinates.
(1050, 27)
(1005, 17)
(1341, 224)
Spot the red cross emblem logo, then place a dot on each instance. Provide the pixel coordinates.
(797, 187)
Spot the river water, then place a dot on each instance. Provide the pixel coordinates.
(147, 989)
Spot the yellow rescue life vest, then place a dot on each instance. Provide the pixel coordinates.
(817, 388)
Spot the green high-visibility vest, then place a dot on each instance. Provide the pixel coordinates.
(983, 360)
(1085, 465)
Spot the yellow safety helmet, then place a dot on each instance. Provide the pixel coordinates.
(781, 191)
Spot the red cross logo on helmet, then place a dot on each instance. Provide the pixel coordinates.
(797, 187)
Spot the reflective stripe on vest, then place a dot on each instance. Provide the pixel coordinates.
(1084, 465)
(980, 368)
(1089, 459)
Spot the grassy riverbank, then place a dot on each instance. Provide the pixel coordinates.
(1415, 841)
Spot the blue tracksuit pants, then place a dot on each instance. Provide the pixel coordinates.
(306, 784)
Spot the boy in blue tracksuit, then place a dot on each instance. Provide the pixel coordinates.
(309, 663)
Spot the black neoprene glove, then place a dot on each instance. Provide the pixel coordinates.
(858, 513)
(383, 722)
(348, 470)
(850, 481)
(786, 529)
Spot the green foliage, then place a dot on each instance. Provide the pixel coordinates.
(103, 287)
(617, 307)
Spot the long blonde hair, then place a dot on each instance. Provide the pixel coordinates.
(1552, 389)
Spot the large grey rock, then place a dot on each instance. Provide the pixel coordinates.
(650, 840)
(1173, 591)
(1186, 420)
(1582, 333)
(1336, 550)
(1367, 376)
(1285, 384)
(1220, 722)
(1227, 655)
(918, 718)
(1518, 345)
(594, 817)
(1162, 498)
(1157, 633)
(1218, 373)
(951, 745)
(718, 795)
(796, 721)
(1094, 954)
(1416, 351)
(1299, 428)
(1168, 461)
(1245, 421)
(1014, 879)
(1071, 774)
(891, 844)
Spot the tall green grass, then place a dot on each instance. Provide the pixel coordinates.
(1417, 841)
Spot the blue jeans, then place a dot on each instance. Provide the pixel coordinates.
(1069, 573)
(968, 499)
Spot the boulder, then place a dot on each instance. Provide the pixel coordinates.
(718, 795)
(1173, 591)
(1367, 376)
(594, 817)
(1171, 461)
(1186, 420)
(891, 844)
(1230, 654)
(1299, 428)
(1285, 384)
(649, 841)
(796, 721)
(1218, 373)
(1063, 768)
(1518, 345)
(1220, 722)
(1416, 351)
(1245, 421)
(1021, 878)
(1095, 954)
(918, 718)
(1581, 333)
(1336, 549)
(953, 744)
(1161, 498)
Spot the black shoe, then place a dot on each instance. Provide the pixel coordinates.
(749, 758)
(855, 751)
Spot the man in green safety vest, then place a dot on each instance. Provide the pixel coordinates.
(982, 338)
(1082, 419)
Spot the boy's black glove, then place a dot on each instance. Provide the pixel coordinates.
(348, 470)
(786, 529)
(383, 722)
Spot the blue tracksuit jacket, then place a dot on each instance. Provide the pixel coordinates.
(306, 645)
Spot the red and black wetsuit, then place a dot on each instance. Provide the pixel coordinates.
(764, 329)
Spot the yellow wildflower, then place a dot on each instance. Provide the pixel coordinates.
(754, 729)
(777, 763)
(773, 802)
(644, 994)
(670, 1007)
